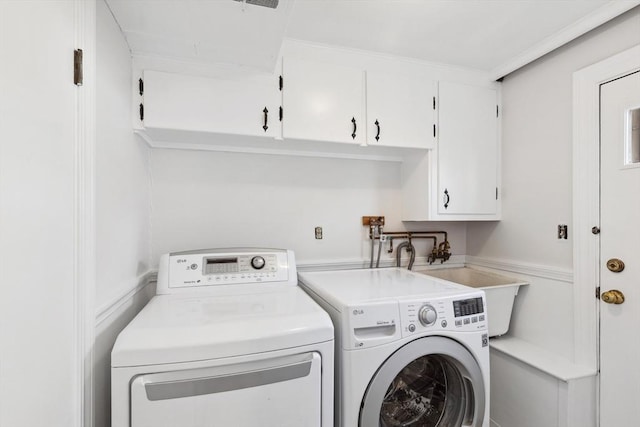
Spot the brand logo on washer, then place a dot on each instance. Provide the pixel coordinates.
(358, 311)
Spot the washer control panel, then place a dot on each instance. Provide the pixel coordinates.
(201, 269)
(459, 313)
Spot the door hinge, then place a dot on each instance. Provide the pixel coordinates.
(280, 83)
(141, 112)
(434, 102)
(78, 78)
(280, 113)
(141, 86)
(598, 292)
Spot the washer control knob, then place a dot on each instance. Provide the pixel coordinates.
(427, 315)
(257, 262)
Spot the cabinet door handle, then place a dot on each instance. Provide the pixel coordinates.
(377, 126)
(446, 198)
(355, 127)
(266, 119)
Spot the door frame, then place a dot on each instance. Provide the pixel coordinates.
(586, 197)
(84, 278)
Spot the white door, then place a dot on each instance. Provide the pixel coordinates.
(38, 192)
(620, 239)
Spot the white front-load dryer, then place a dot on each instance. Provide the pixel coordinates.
(410, 350)
(230, 340)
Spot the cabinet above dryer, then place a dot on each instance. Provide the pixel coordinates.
(177, 106)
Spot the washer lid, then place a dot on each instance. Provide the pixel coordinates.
(348, 287)
(180, 328)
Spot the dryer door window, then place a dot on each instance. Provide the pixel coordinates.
(430, 382)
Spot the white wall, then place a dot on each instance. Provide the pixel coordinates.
(105, 335)
(38, 359)
(123, 203)
(212, 199)
(536, 144)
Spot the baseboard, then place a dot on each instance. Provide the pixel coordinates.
(141, 282)
(536, 270)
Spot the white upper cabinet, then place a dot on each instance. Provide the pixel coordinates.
(329, 102)
(322, 102)
(400, 110)
(459, 180)
(467, 149)
(345, 105)
(246, 106)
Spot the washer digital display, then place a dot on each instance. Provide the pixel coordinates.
(467, 307)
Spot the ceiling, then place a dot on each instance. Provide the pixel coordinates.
(496, 36)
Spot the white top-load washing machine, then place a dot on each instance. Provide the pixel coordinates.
(229, 340)
(411, 350)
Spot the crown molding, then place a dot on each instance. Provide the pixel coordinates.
(589, 22)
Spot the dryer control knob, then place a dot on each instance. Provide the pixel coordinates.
(257, 262)
(427, 315)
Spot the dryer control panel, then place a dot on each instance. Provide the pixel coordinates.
(202, 269)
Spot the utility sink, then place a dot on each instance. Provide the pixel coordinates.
(500, 292)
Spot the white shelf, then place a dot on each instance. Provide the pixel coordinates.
(541, 359)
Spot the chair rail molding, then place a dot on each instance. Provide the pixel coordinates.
(586, 196)
(123, 297)
(544, 271)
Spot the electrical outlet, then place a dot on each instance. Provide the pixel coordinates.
(563, 232)
(368, 220)
(318, 233)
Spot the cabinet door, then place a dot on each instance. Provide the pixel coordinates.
(400, 110)
(225, 106)
(322, 102)
(467, 150)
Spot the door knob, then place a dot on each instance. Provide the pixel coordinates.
(613, 296)
(615, 265)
